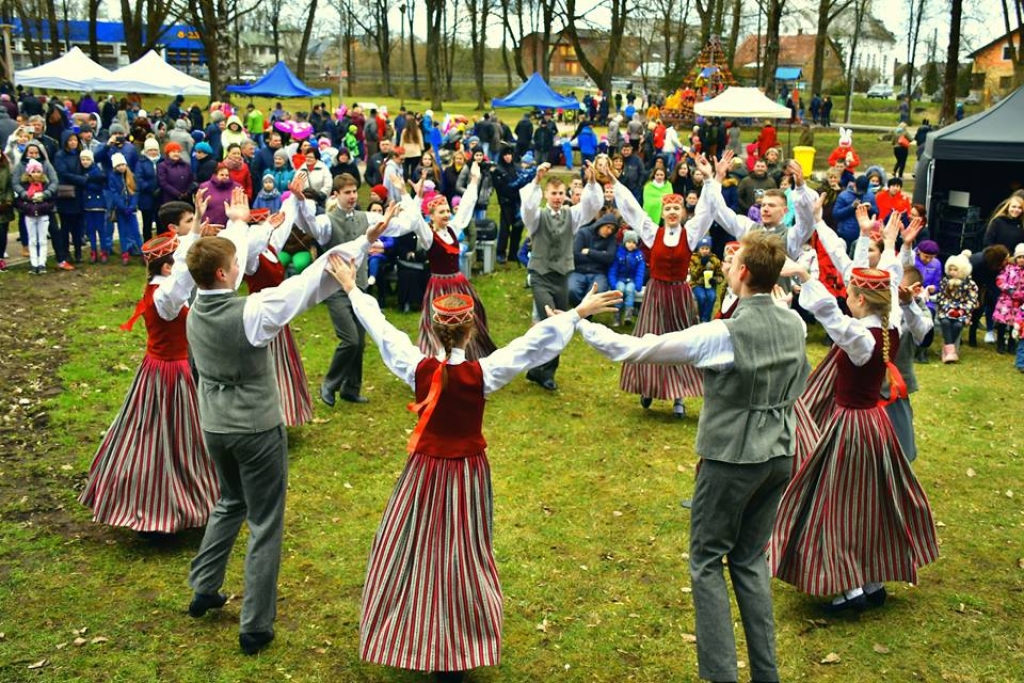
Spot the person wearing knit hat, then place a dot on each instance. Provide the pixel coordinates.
(858, 471)
(282, 169)
(268, 197)
(705, 276)
(754, 367)
(441, 526)
(148, 185)
(124, 198)
(174, 176)
(627, 275)
(669, 305)
(380, 192)
(152, 472)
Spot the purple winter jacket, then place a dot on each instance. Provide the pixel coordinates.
(175, 180)
(219, 194)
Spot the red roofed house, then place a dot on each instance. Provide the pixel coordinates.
(796, 59)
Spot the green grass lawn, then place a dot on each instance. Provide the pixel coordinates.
(590, 540)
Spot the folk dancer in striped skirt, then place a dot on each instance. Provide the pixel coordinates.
(152, 473)
(854, 515)
(264, 270)
(241, 415)
(441, 241)
(668, 304)
(432, 601)
(551, 230)
(755, 365)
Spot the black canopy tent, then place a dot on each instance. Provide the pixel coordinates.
(967, 169)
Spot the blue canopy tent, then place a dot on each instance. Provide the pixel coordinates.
(535, 93)
(278, 82)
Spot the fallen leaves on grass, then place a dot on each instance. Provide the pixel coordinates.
(542, 626)
(880, 649)
(971, 472)
(40, 664)
(689, 638)
(831, 658)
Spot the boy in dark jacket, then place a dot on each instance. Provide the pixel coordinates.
(94, 207)
(627, 275)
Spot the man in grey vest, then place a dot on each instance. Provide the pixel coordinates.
(774, 206)
(341, 224)
(755, 368)
(551, 231)
(240, 413)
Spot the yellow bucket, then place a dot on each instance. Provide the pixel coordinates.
(805, 157)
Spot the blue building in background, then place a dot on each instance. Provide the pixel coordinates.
(179, 44)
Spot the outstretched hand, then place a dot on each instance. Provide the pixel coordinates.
(202, 201)
(374, 232)
(594, 302)
(343, 270)
(276, 220)
(892, 229)
(796, 172)
(910, 233)
(723, 165)
(781, 297)
(819, 208)
(238, 208)
(296, 186)
(793, 269)
(474, 172)
(864, 220)
(700, 161)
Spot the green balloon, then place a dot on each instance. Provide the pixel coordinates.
(285, 258)
(301, 261)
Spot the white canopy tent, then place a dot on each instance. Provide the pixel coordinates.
(742, 103)
(151, 74)
(71, 71)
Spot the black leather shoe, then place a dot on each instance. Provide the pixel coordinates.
(326, 396)
(354, 398)
(645, 402)
(856, 604)
(549, 384)
(251, 643)
(203, 603)
(876, 598)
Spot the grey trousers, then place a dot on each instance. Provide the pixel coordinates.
(549, 289)
(345, 373)
(734, 508)
(253, 474)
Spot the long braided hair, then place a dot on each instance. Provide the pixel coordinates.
(878, 302)
(451, 336)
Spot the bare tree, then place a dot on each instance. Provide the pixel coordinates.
(956, 9)
(602, 76)
(860, 10)
(213, 21)
(144, 22)
(435, 22)
(93, 7)
(828, 10)
(916, 10)
(410, 7)
(375, 25)
(307, 31)
(771, 45)
(734, 33)
(1016, 52)
(478, 11)
(51, 17)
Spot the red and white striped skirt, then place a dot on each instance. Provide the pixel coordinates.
(292, 384)
(807, 435)
(152, 471)
(667, 307)
(819, 397)
(480, 344)
(432, 601)
(854, 513)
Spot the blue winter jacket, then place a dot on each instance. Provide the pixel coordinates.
(844, 213)
(69, 172)
(94, 196)
(628, 265)
(121, 200)
(146, 184)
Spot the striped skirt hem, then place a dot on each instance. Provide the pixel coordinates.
(152, 471)
(432, 601)
(807, 435)
(292, 384)
(854, 513)
(819, 397)
(480, 344)
(667, 307)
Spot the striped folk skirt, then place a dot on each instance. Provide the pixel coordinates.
(854, 513)
(292, 384)
(807, 435)
(667, 307)
(432, 600)
(152, 471)
(480, 344)
(819, 397)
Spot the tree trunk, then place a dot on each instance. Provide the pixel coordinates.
(51, 16)
(411, 8)
(307, 31)
(94, 44)
(435, 16)
(771, 48)
(956, 8)
(602, 77)
(820, 39)
(913, 32)
(477, 11)
(734, 34)
(859, 9)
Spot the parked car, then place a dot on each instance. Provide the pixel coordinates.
(880, 91)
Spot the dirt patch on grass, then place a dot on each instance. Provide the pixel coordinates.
(35, 315)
